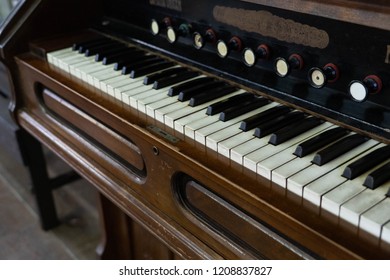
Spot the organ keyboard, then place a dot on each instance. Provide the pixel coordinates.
(348, 199)
(224, 158)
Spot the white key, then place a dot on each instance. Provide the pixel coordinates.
(225, 146)
(72, 58)
(105, 79)
(142, 93)
(265, 167)
(198, 124)
(171, 118)
(372, 220)
(169, 111)
(74, 69)
(196, 127)
(83, 71)
(247, 145)
(314, 191)
(126, 95)
(159, 102)
(333, 200)
(386, 233)
(131, 85)
(52, 57)
(180, 120)
(251, 160)
(202, 133)
(139, 92)
(79, 61)
(90, 73)
(101, 78)
(98, 74)
(352, 209)
(213, 139)
(159, 113)
(238, 153)
(122, 83)
(158, 99)
(297, 182)
(70, 65)
(62, 61)
(181, 123)
(282, 173)
(117, 82)
(167, 104)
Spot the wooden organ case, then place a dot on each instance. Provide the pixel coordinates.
(198, 192)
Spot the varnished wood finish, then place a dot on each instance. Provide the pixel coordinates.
(151, 199)
(281, 211)
(95, 131)
(126, 239)
(369, 13)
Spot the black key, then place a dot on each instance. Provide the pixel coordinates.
(367, 162)
(288, 133)
(150, 79)
(210, 95)
(116, 58)
(90, 51)
(174, 79)
(77, 45)
(187, 94)
(188, 85)
(218, 107)
(278, 123)
(131, 60)
(243, 108)
(81, 45)
(378, 177)
(126, 69)
(150, 69)
(320, 141)
(337, 149)
(263, 117)
(115, 49)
